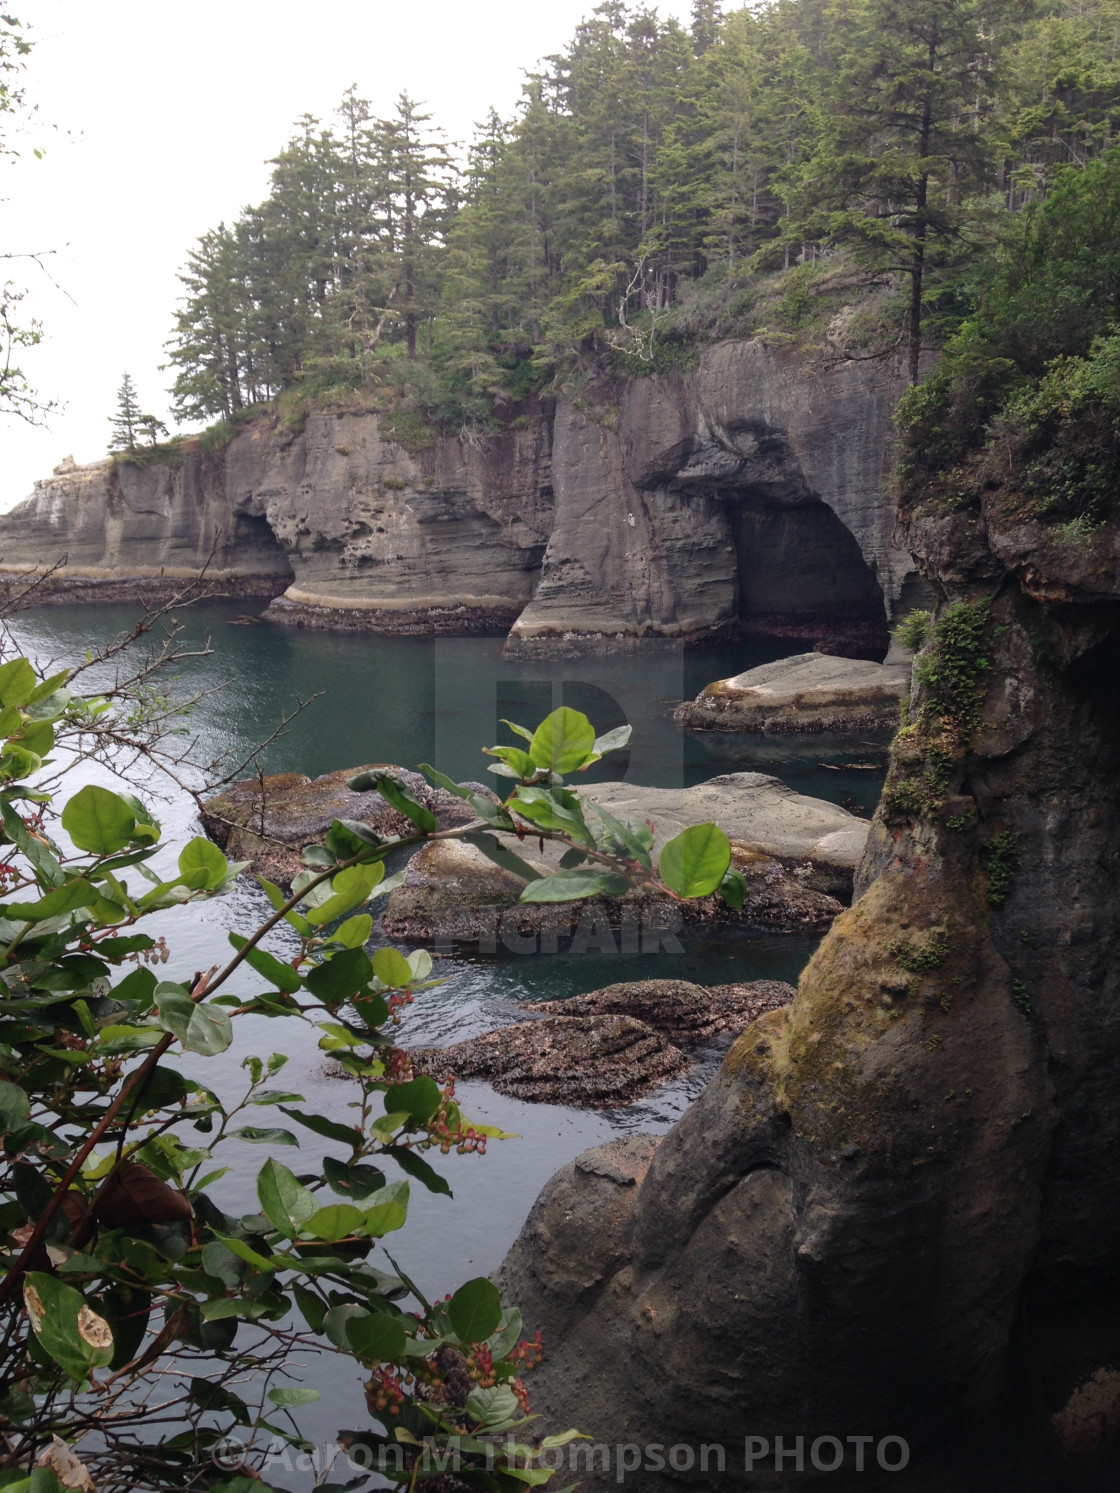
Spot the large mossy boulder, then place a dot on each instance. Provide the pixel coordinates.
(893, 1212)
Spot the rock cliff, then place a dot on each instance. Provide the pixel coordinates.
(894, 1212)
(746, 494)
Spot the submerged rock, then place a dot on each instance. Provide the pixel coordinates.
(269, 821)
(808, 692)
(681, 1011)
(591, 1062)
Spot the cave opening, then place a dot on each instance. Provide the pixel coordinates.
(256, 549)
(801, 574)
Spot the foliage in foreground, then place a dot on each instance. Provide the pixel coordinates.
(141, 1322)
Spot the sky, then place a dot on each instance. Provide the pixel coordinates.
(156, 120)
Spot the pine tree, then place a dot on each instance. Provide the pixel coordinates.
(907, 92)
(705, 25)
(126, 420)
(419, 177)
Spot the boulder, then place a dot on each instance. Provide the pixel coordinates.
(269, 821)
(590, 1062)
(815, 839)
(681, 1011)
(453, 894)
(808, 692)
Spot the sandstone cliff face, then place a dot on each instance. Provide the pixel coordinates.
(894, 1211)
(748, 494)
(749, 491)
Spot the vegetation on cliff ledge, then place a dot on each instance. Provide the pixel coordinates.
(1024, 407)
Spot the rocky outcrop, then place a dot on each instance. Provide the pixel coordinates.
(118, 529)
(270, 821)
(808, 692)
(588, 1062)
(452, 894)
(894, 1208)
(681, 1011)
(818, 842)
(745, 496)
(747, 493)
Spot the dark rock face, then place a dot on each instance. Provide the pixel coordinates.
(683, 1012)
(746, 497)
(894, 1209)
(591, 1062)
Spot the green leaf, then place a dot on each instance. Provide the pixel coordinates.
(335, 1221)
(517, 730)
(626, 837)
(508, 1333)
(513, 762)
(74, 1335)
(340, 978)
(338, 1319)
(563, 741)
(98, 821)
(394, 792)
(495, 851)
(287, 1204)
(258, 1135)
(419, 1099)
(392, 968)
(693, 863)
(377, 1338)
(17, 682)
(493, 1407)
(733, 888)
(355, 932)
(417, 1167)
(442, 781)
(352, 1182)
(14, 1105)
(287, 1396)
(199, 855)
(199, 1025)
(313, 1307)
(553, 809)
(274, 970)
(46, 690)
(387, 1211)
(611, 741)
(571, 886)
(475, 1310)
(245, 1252)
(65, 898)
(295, 919)
(350, 888)
(346, 1135)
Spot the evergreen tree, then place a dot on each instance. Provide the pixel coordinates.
(419, 177)
(906, 94)
(126, 419)
(705, 25)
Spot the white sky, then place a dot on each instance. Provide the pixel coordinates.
(157, 119)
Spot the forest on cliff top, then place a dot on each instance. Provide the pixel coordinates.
(656, 188)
